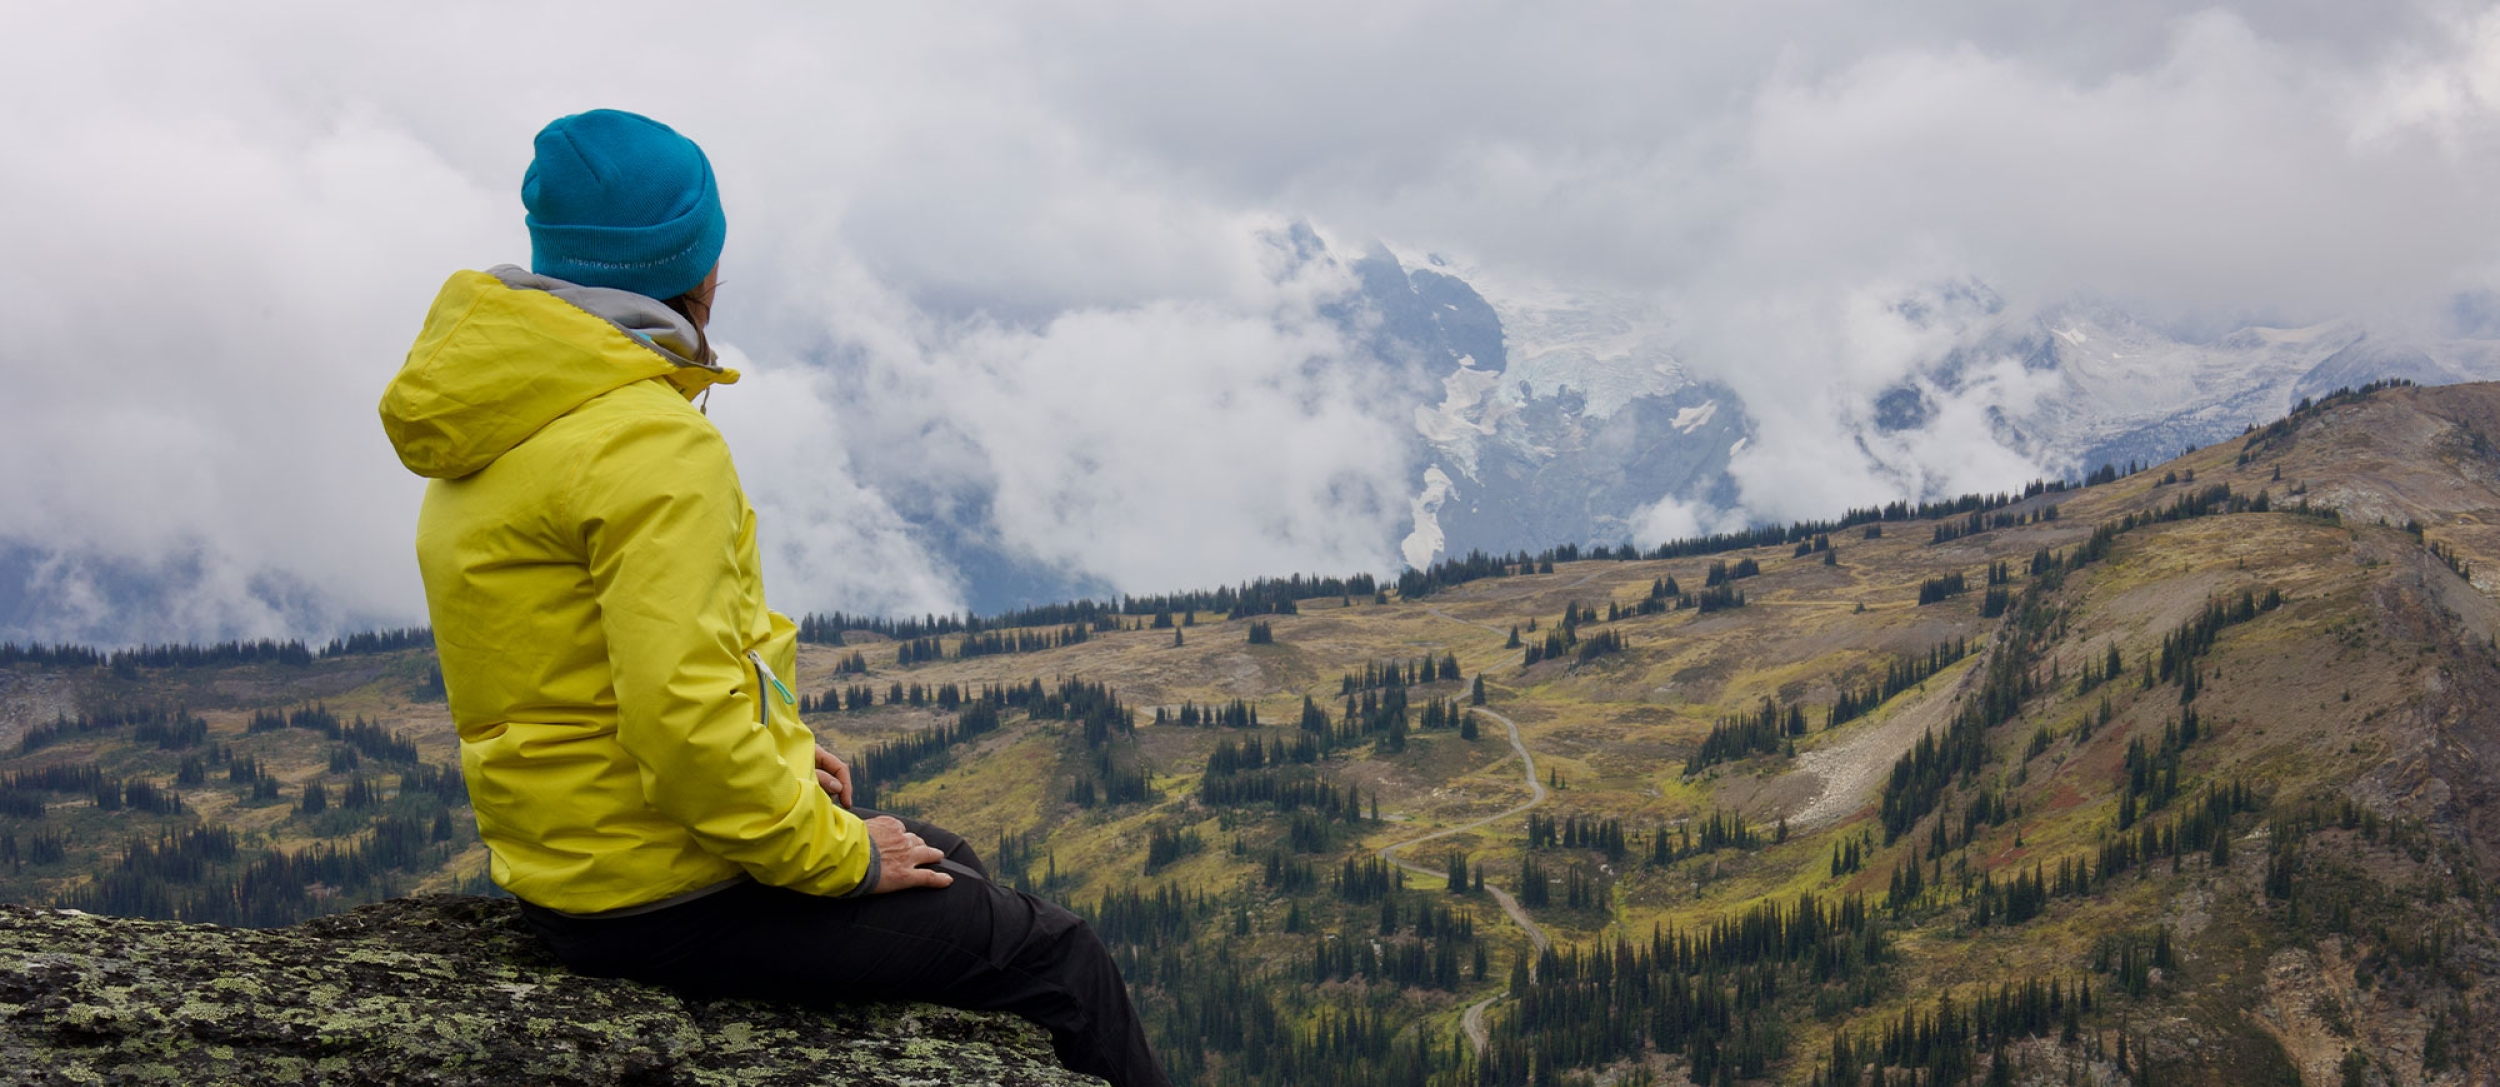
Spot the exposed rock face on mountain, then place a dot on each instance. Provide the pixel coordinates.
(435, 990)
(1527, 471)
(2080, 386)
(1541, 418)
(1567, 416)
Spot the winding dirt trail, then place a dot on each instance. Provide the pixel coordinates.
(1473, 1020)
(1844, 775)
(1473, 1023)
(1536, 789)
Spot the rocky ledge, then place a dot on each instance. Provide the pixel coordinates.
(436, 990)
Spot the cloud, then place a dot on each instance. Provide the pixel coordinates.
(1006, 271)
(1672, 519)
(2446, 89)
(824, 536)
(196, 364)
(2220, 179)
(1150, 447)
(2221, 175)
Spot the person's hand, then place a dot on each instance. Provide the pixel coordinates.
(900, 853)
(834, 775)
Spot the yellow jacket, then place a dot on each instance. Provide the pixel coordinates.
(590, 565)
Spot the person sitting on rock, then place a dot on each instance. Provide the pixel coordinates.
(633, 751)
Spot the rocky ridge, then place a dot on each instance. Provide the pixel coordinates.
(437, 989)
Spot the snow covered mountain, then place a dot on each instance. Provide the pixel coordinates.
(2126, 391)
(1557, 417)
(1572, 414)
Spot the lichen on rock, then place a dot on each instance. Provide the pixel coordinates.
(437, 989)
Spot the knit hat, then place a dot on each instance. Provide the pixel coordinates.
(619, 200)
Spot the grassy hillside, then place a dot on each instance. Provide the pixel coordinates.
(2194, 779)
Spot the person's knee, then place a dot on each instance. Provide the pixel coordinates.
(1077, 941)
(1083, 930)
(965, 855)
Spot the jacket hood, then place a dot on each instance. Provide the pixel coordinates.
(505, 352)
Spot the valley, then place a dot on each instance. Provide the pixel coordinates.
(2189, 775)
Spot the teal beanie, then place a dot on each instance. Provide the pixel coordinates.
(619, 200)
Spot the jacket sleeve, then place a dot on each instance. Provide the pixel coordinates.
(663, 526)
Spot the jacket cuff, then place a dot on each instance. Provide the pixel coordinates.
(867, 883)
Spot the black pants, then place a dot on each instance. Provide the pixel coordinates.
(975, 944)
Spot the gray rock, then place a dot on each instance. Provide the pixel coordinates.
(436, 989)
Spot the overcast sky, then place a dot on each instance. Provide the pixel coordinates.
(1029, 246)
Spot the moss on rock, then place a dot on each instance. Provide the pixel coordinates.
(437, 989)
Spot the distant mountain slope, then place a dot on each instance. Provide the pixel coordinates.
(1568, 416)
(2124, 391)
(1593, 418)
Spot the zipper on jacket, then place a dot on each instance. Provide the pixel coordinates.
(766, 683)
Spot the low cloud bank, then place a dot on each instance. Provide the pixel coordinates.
(1011, 278)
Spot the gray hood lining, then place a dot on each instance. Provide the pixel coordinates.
(640, 317)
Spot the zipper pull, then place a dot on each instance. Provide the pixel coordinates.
(787, 698)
